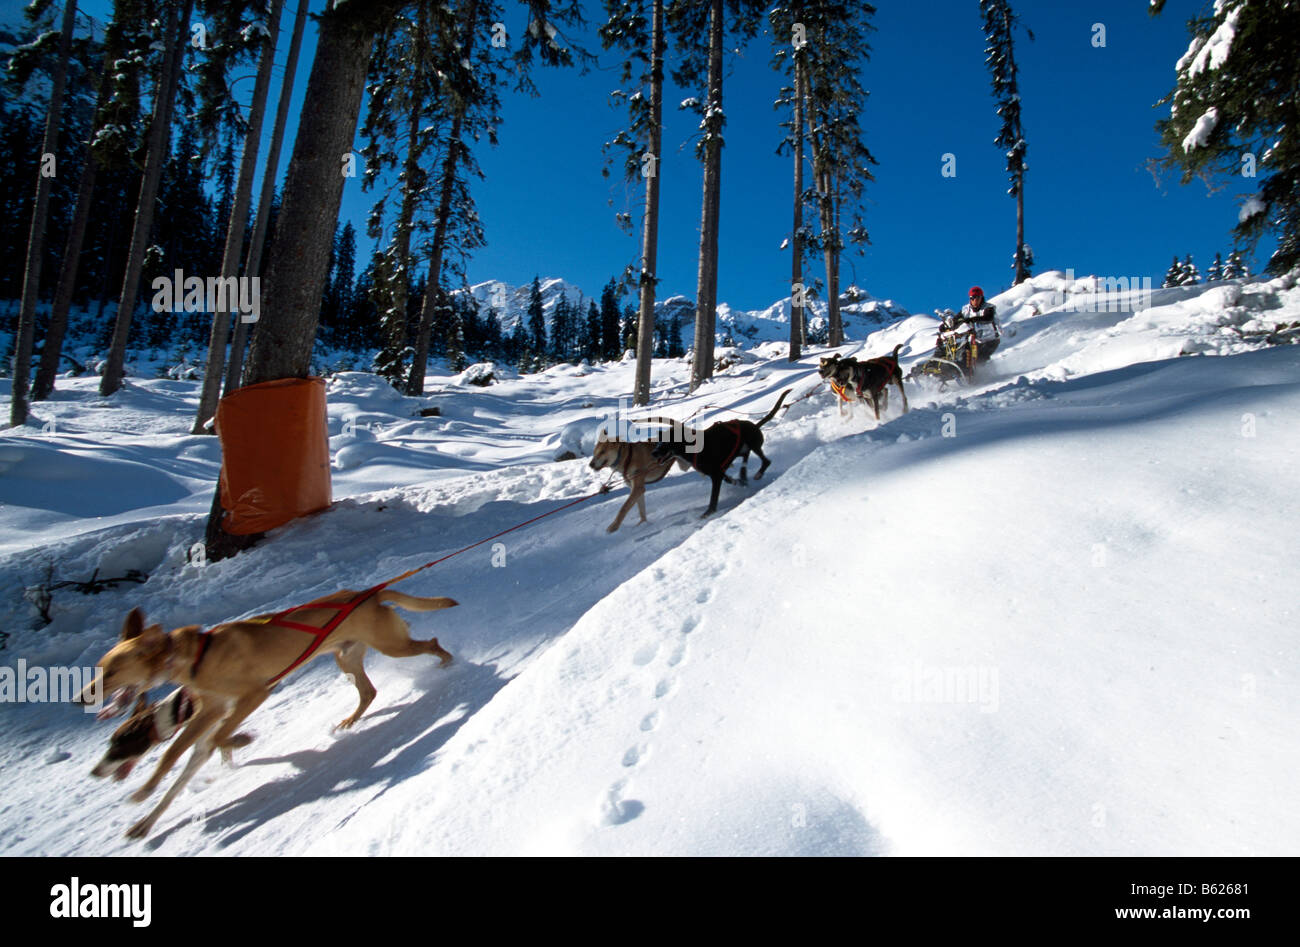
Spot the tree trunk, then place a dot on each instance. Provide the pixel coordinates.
(822, 159)
(1022, 272)
(837, 246)
(433, 282)
(796, 262)
(650, 225)
(26, 333)
(313, 190)
(237, 224)
(398, 323)
(159, 138)
(707, 281)
(253, 262)
(52, 351)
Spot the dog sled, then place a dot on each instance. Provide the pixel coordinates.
(957, 352)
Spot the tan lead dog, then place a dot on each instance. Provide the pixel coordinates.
(234, 667)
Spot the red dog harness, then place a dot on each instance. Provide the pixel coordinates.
(843, 390)
(734, 427)
(344, 609)
(280, 619)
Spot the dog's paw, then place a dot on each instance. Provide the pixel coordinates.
(140, 829)
(612, 528)
(346, 723)
(141, 794)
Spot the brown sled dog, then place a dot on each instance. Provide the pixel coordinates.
(636, 462)
(233, 668)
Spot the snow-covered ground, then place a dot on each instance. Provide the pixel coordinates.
(1054, 613)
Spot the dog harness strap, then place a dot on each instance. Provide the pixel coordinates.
(204, 638)
(735, 448)
(295, 625)
(319, 634)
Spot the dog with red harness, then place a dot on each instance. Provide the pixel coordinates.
(233, 667)
(866, 380)
(712, 452)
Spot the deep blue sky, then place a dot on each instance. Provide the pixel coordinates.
(1090, 204)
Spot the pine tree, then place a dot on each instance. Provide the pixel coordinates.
(1239, 268)
(455, 333)
(225, 184)
(1233, 112)
(336, 303)
(629, 333)
(675, 349)
(493, 343)
(561, 328)
(1174, 275)
(999, 26)
(536, 320)
(1215, 273)
(1190, 276)
(342, 284)
(591, 343)
(833, 56)
(470, 73)
(609, 339)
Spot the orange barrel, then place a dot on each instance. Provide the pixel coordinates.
(275, 456)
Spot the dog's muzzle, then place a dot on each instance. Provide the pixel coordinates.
(118, 704)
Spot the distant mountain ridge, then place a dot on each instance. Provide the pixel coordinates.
(862, 313)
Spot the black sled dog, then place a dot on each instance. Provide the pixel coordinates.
(718, 446)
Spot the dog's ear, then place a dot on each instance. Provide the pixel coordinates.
(134, 625)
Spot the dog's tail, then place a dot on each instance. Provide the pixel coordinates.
(775, 408)
(894, 354)
(415, 603)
